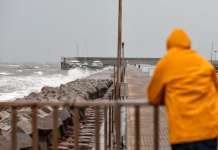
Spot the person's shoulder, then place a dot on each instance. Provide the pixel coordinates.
(202, 59)
(161, 62)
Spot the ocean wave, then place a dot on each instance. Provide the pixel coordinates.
(14, 65)
(26, 66)
(12, 87)
(19, 71)
(37, 67)
(13, 95)
(78, 73)
(39, 73)
(4, 73)
(46, 65)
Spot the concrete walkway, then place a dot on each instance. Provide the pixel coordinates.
(137, 83)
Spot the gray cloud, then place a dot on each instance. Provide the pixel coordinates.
(46, 30)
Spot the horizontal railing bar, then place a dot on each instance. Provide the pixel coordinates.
(78, 104)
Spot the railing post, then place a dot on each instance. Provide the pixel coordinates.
(110, 122)
(156, 127)
(14, 132)
(114, 78)
(137, 126)
(97, 129)
(112, 110)
(118, 127)
(105, 128)
(55, 128)
(76, 128)
(34, 127)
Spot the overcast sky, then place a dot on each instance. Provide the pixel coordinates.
(45, 30)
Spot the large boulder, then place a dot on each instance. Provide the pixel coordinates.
(46, 123)
(65, 88)
(5, 125)
(32, 95)
(5, 142)
(24, 126)
(4, 114)
(47, 89)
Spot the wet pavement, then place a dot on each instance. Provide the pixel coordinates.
(137, 83)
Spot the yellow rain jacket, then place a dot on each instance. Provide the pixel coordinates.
(187, 84)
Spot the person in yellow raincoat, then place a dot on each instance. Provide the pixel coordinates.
(187, 84)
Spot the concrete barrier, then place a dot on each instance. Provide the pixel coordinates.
(144, 65)
(140, 66)
(137, 65)
(145, 68)
(151, 72)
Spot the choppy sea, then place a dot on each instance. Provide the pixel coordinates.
(19, 79)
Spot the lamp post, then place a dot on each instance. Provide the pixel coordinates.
(215, 58)
(123, 52)
(119, 51)
(212, 54)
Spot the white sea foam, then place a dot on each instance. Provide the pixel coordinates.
(12, 96)
(14, 65)
(4, 73)
(46, 65)
(12, 87)
(19, 70)
(39, 73)
(78, 73)
(23, 85)
(37, 67)
(26, 84)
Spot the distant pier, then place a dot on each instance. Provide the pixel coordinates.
(108, 61)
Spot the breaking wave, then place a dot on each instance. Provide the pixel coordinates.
(39, 73)
(21, 82)
(4, 73)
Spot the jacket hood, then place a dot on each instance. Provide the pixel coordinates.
(178, 38)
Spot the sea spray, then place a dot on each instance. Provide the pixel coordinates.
(78, 73)
(20, 83)
(12, 87)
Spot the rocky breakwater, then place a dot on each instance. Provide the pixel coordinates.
(80, 90)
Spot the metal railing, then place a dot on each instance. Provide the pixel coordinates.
(76, 105)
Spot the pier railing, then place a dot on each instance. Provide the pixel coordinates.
(108, 105)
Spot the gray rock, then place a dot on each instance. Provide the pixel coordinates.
(32, 95)
(65, 88)
(46, 123)
(47, 89)
(46, 109)
(63, 114)
(53, 99)
(5, 143)
(74, 95)
(24, 126)
(4, 114)
(50, 95)
(24, 141)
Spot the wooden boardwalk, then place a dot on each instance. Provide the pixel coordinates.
(137, 83)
